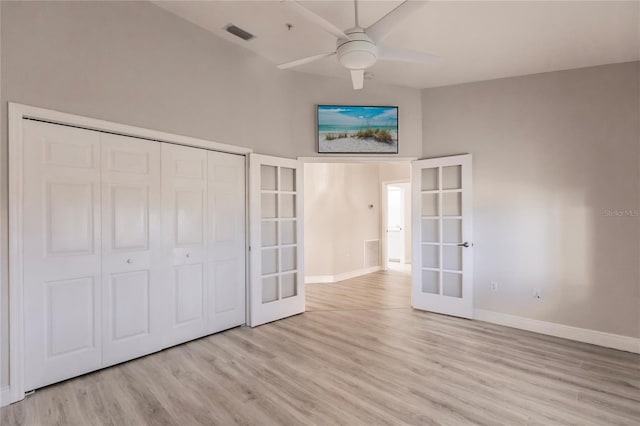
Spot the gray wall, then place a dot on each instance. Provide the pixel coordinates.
(134, 63)
(552, 154)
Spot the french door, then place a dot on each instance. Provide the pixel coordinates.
(277, 261)
(443, 235)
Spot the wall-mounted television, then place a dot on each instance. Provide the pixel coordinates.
(350, 129)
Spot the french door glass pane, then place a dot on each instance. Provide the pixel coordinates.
(431, 256)
(287, 179)
(288, 258)
(269, 233)
(430, 282)
(452, 230)
(430, 231)
(287, 232)
(429, 204)
(452, 204)
(269, 205)
(269, 178)
(288, 282)
(269, 261)
(452, 177)
(452, 284)
(429, 180)
(452, 258)
(287, 205)
(269, 289)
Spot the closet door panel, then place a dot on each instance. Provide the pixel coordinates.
(184, 186)
(226, 241)
(62, 250)
(134, 295)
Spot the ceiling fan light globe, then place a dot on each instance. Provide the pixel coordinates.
(357, 60)
(357, 54)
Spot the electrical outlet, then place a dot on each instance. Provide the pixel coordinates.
(537, 293)
(494, 286)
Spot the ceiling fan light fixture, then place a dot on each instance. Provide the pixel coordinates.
(358, 53)
(357, 59)
(359, 48)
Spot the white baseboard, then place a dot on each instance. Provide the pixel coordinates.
(608, 340)
(5, 396)
(339, 277)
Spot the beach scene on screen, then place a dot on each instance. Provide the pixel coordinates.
(357, 129)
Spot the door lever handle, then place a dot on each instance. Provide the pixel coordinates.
(465, 244)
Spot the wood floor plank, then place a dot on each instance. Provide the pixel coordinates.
(359, 355)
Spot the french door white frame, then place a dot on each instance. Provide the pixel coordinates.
(438, 301)
(261, 311)
(17, 114)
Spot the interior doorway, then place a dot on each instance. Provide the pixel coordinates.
(398, 221)
(346, 243)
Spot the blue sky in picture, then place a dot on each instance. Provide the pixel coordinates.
(357, 116)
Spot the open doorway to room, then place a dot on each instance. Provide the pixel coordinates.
(396, 213)
(347, 212)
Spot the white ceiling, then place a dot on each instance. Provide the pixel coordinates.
(477, 40)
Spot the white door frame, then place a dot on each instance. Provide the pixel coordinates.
(18, 112)
(383, 219)
(373, 158)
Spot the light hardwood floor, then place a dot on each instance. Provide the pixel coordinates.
(360, 355)
(382, 290)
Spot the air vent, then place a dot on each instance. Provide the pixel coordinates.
(239, 32)
(371, 253)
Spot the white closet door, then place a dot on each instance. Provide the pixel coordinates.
(62, 280)
(133, 297)
(226, 241)
(184, 198)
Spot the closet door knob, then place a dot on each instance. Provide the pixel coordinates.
(129, 260)
(188, 254)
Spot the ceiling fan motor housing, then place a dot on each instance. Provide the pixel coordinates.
(358, 53)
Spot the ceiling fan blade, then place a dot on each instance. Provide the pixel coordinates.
(316, 19)
(357, 78)
(388, 22)
(386, 53)
(304, 60)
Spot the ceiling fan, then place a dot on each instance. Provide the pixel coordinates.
(359, 48)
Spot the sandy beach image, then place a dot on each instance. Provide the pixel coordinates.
(357, 129)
